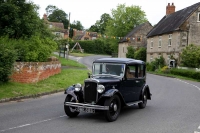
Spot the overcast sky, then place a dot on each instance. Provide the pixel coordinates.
(88, 11)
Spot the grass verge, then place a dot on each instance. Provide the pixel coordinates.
(80, 54)
(69, 63)
(173, 76)
(54, 83)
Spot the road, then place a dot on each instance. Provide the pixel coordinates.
(174, 108)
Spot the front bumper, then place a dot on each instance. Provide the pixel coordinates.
(86, 106)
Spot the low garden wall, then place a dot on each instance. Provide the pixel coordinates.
(32, 72)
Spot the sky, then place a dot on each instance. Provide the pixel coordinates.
(89, 11)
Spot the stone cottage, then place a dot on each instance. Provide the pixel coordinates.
(135, 38)
(174, 31)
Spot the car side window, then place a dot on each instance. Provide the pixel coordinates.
(130, 71)
(141, 70)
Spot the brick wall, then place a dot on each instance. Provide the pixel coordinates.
(32, 72)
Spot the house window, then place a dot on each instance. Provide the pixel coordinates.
(170, 40)
(151, 58)
(160, 41)
(159, 55)
(198, 17)
(138, 38)
(50, 26)
(151, 43)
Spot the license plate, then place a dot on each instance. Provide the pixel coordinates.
(87, 110)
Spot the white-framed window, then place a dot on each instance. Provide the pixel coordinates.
(170, 40)
(151, 43)
(198, 17)
(160, 41)
(151, 58)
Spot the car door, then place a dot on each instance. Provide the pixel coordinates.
(139, 81)
(132, 86)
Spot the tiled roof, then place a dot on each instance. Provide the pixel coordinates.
(172, 22)
(57, 25)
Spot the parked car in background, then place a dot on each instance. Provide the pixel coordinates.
(114, 83)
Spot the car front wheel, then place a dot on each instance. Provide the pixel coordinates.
(114, 104)
(144, 100)
(70, 111)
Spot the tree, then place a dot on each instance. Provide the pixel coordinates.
(100, 25)
(19, 19)
(50, 8)
(190, 56)
(77, 25)
(59, 16)
(124, 19)
(95, 27)
(140, 54)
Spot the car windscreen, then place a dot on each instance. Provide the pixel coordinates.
(108, 69)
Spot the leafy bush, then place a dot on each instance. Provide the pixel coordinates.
(130, 52)
(97, 46)
(140, 54)
(190, 56)
(7, 59)
(186, 73)
(158, 63)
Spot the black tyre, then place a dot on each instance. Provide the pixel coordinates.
(114, 104)
(70, 111)
(144, 100)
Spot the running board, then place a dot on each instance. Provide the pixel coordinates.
(133, 103)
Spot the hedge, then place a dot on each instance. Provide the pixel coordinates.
(186, 73)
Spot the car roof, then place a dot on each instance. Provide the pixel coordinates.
(119, 60)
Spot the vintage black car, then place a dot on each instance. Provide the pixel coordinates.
(114, 83)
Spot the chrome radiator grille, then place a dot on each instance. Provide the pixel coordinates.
(90, 92)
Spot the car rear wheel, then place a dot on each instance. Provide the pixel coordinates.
(144, 100)
(114, 104)
(70, 111)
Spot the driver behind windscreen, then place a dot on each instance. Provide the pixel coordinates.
(109, 69)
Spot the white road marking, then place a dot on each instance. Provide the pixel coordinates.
(30, 124)
(189, 84)
(196, 132)
(199, 127)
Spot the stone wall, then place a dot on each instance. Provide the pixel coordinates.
(32, 72)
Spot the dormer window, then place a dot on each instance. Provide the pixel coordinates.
(198, 17)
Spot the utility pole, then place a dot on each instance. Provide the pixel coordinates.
(67, 46)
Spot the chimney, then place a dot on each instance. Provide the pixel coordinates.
(45, 17)
(170, 9)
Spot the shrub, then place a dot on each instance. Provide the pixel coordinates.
(186, 73)
(7, 59)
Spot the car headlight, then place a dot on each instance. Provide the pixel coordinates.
(100, 88)
(78, 87)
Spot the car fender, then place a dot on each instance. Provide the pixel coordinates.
(146, 87)
(111, 92)
(70, 91)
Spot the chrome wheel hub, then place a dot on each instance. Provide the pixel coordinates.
(115, 107)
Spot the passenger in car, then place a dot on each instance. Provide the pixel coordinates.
(128, 73)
